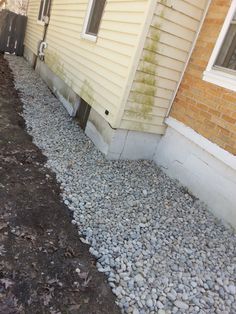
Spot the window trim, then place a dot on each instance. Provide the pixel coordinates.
(85, 35)
(41, 21)
(216, 76)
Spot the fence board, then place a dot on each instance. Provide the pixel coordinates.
(12, 32)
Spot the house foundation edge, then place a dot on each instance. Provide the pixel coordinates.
(204, 168)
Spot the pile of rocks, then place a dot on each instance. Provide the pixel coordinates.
(162, 251)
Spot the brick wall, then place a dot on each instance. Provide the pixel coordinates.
(208, 109)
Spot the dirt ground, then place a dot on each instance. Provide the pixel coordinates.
(40, 249)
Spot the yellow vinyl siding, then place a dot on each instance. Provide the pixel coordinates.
(101, 72)
(96, 71)
(166, 50)
(34, 31)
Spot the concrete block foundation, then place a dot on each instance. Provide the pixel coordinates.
(118, 143)
(205, 169)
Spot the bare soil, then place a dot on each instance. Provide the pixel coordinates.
(40, 249)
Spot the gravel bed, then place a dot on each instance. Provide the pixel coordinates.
(161, 249)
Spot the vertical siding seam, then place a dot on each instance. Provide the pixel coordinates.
(135, 59)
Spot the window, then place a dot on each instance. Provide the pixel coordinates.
(93, 19)
(43, 10)
(221, 69)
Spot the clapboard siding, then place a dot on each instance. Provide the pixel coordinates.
(165, 53)
(95, 71)
(34, 31)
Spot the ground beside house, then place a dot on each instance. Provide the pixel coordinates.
(39, 249)
(159, 246)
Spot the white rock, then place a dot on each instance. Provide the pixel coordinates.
(181, 305)
(160, 305)
(232, 289)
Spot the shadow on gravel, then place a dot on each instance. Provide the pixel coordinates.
(44, 268)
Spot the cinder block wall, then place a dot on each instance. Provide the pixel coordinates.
(208, 109)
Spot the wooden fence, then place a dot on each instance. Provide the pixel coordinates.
(12, 32)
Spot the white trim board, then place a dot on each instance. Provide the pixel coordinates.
(208, 146)
(220, 78)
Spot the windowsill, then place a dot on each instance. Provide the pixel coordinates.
(40, 23)
(220, 78)
(89, 37)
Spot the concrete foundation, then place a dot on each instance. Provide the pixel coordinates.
(62, 91)
(118, 143)
(205, 169)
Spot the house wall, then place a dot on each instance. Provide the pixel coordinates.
(166, 50)
(34, 30)
(199, 146)
(96, 71)
(207, 108)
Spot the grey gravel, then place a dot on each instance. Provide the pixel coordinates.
(181, 305)
(161, 249)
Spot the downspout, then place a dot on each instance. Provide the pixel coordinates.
(189, 56)
(43, 44)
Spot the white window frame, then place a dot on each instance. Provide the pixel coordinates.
(217, 76)
(41, 20)
(86, 20)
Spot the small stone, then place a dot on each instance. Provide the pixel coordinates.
(174, 267)
(181, 305)
(145, 193)
(193, 284)
(222, 293)
(139, 278)
(232, 289)
(175, 310)
(185, 296)
(160, 305)
(149, 303)
(171, 296)
(220, 281)
(210, 284)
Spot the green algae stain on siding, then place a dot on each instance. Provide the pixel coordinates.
(54, 62)
(144, 89)
(142, 97)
